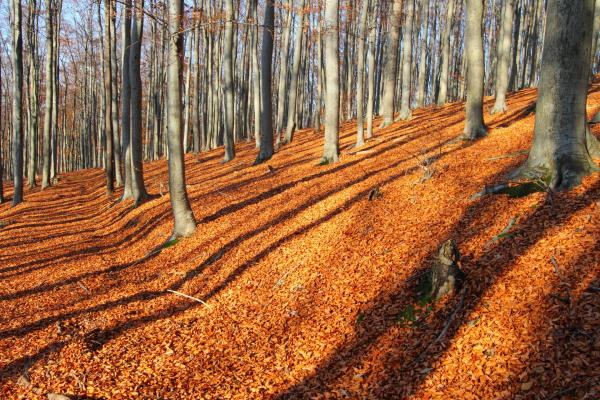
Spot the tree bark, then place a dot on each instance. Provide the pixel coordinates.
(46, 142)
(185, 224)
(17, 99)
(405, 112)
(560, 153)
(293, 92)
(389, 86)
(423, 55)
(332, 83)
(126, 102)
(228, 138)
(474, 125)
(371, 70)
(360, 74)
(443, 90)
(108, 131)
(503, 58)
(266, 125)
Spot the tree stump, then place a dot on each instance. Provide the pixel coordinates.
(446, 275)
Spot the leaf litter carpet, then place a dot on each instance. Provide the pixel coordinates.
(307, 286)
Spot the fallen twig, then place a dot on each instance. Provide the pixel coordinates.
(189, 297)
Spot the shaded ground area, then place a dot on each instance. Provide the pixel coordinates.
(308, 286)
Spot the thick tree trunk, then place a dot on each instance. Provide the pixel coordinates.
(560, 152)
(228, 139)
(503, 58)
(185, 224)
(405, 112)
(46, 136)
(360, 74)
(423, 55)
(293, 92)
(17, 99)
(474, 125)
(443, 85)
(389, 86)
(266, 134)
(332, 83)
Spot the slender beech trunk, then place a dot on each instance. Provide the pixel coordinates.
(185, 224)
(282, 84)
(293, 92)
(503, 58)
(266, 135)
(114, 99)
(360, 74)
(332, 82)
(389, 86)
(126, 101)
(371, 69)
(33, 93)
(135, 80)
(108, 131)
(256, 78)
(423, 56)
(228, 82)
(405, 112)
(443, 85)
(17, 99)
(474, 125)
(46, 138)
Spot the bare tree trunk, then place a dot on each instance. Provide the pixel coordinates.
(371, 69)
(562, 147)
(474, 125)
(114, 99)
(137, 166)
(108, 131)
(256, 82)
(405, 112)
(389, 86)
(282, 84)
(1, 138)
(46, 144)
(443, 91)
(17, 100)
(332, 82)
(503, 58)
(126, 101)
(293, 92)
(423, 55)
(360, 74)
(33, 92)
(228, 138)
(266, 135)
(185, 224)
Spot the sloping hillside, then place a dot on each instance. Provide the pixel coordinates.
(304, 287)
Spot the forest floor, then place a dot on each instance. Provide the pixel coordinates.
(308, 287)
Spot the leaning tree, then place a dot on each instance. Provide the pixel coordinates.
(563, 147)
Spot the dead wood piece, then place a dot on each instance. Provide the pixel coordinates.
(446, 275)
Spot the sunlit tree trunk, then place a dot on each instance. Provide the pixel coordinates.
(562, 147)
(46, 137)
(185, 224)
(443, 91)
(423, 55)
(228, 82)
(266, 135)
(405, 112)
(503, 58)
(293, 92)
(360, 74)
(332, 82)
(17, 100)
(389, 85)
(474, 125)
